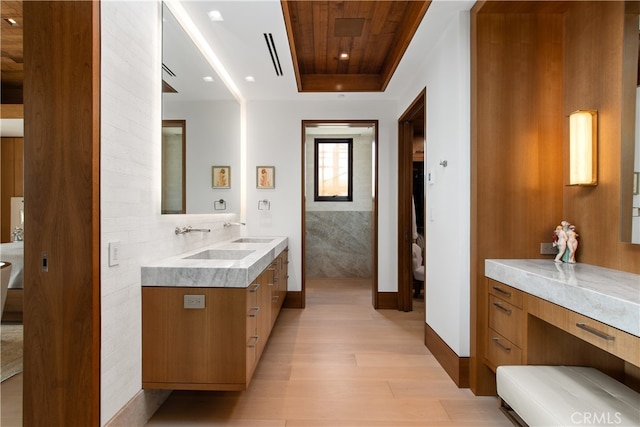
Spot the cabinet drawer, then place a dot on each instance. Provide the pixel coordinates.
(501, 351)
(608, 338)
(507, 293)
(505, 319)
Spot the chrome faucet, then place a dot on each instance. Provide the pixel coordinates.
(189, 229)
(229, 224)
(17, 234)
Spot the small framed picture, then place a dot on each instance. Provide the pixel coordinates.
(636, 183)
(265, 177)
(221, 176)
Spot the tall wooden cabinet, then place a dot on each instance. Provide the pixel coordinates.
(215, 345)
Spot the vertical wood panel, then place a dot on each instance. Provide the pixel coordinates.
(526, 78)
(62, 335)
(11, 181)
(516, 151)
(593, 79)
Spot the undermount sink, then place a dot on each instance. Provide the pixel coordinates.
(252, 240)
(221, 254)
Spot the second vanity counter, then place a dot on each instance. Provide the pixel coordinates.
(609, 296)
(234, 263)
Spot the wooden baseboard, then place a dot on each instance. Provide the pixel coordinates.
(294, 299)
(455, 366)
(139, 409)
(387, 301)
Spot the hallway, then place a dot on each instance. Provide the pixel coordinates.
(340, 363)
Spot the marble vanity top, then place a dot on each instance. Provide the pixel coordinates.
(180, 270)
(609, 296)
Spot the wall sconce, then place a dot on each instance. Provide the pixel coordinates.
(583, 147)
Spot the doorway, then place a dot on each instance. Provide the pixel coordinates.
(411, 203)
(339, 201)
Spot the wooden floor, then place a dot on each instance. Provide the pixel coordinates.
(11, 402)
(339, 363)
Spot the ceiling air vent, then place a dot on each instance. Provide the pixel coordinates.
(168, 70)
(268, 37)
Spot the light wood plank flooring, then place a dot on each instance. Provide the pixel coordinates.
(11, 402)
(339, 363)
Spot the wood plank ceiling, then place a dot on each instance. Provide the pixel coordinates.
(372, 34)
(12, 67)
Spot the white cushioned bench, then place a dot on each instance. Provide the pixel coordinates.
(567, 396)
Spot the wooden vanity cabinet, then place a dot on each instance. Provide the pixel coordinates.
(280, 267)
(212, 348)
(505, 334)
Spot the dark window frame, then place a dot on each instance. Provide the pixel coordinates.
(349, 196)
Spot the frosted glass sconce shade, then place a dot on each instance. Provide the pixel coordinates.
(583, 147)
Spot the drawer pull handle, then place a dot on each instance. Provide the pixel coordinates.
(276, 298)
(502, 346)
(254, 343)
(253, 312)
(255, 288)
(501, 291)
(500, 307)
(595, 332)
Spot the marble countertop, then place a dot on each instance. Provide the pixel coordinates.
(180, 270)
(609, 296)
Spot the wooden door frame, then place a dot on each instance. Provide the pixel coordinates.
(300, 301)
(405, 192)
(61, 380)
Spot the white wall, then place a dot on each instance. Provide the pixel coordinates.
(274, 137)
(130, 192)
(445, 74)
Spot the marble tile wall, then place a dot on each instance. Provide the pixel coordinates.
(338, 244)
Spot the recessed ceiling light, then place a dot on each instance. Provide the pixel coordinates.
(215, 15)
(12, 21)
(207, 79)
(344, 56)
(250, 79)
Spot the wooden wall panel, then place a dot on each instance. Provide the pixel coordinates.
(11, 181)
(516, 151)
(530, 68)
(593, 80)
(62, 157)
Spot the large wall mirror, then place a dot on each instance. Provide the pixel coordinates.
(630, 149)
(194, 95)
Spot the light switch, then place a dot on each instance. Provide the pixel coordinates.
(114, 253)
(431, 176)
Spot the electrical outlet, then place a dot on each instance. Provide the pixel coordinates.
(548, 249)
(194, 301)
(114, 253)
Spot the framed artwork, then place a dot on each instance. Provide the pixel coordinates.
(265, 177)
(636, 183)
(221, 176)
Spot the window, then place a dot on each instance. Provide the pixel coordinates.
(333, 170)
